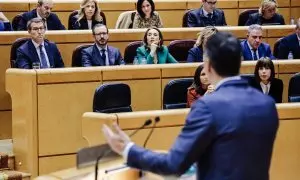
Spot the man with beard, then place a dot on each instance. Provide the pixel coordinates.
(42, 11)
(100, 54)
(253, 48)
(38, 50)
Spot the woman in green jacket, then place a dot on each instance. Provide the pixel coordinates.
(153, 49)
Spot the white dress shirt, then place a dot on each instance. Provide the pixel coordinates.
(106, 54)
(265, 87)
(205, 13)
(90, 23)
(37, 48)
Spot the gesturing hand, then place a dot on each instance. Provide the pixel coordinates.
(117, 140)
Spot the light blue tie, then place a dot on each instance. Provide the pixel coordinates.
(43, 58)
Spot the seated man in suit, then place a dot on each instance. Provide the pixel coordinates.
(42, 11)
(4, 23)
(229, 133)
(290, 44)
(253, 48)
(37, 50)
(207, 15)
(100, 54)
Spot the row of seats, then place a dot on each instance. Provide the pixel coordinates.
(116, 97)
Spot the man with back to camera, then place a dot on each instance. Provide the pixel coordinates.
(229, 133)
(290, 44)
(253, 48)
(206, 15)
(100, 54)
(37, 49)
(42, 11)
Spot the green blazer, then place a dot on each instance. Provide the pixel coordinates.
(163, 56)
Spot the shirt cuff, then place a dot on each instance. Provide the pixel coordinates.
(126, 150)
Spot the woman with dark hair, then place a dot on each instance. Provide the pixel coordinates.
(195, 54)
(146, 16)
(199, 87)
(88, 16)
(153, 50)
(265, 80)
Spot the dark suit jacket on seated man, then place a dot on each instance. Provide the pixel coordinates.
(225, 145)
(4, 23)
(42, 11)
(38, 50)
(253, 48)
(207, 15)
(291, 44)
(100, 54)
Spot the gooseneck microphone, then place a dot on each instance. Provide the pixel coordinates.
(157, 119)
(146, 123)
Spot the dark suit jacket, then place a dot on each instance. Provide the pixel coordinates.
(91, 56)
(229, 134)
(82, 24)
(256, 18)
(26, 55)
(195, 54)
(264, 50)
(53, 22)
(275, 91)
(5, 26)
(287, 44)
(196, 18)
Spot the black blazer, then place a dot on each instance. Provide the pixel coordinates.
(257, 18)
(275, 91)
(53, 22)
(196, 18)
(82, 24)
(287, 44)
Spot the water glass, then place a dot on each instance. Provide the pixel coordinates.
(36, 65)
(143, 60)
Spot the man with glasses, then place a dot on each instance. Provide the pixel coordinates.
(207, 15)
(42, 11)
(100, 54)
(253, 48)
(38, 52)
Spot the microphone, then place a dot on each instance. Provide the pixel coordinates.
(157, 119)
(146, 123)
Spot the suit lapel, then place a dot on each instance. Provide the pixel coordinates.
(261, 50)
(32, 52)
(110, 55)
(96, 56)
(248, 53)
(49, 54)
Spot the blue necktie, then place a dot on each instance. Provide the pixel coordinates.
(209, 15)
(43, 58)
(103, 57)
(254, 54)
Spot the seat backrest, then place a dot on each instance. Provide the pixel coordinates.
(244, 16)
(75, 12)
(15, 21)
(276, 47)
(294, 98)
(175, 93)
(112, 98)
(185, 18)
(13, 51)
(294, 86)
(130, 51)
(77, 56)
(124, 20)
(179, 49)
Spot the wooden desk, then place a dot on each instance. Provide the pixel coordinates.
(53, 100)
(285, 160)
(171, 11)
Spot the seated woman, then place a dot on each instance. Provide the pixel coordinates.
(195, 54)
(153, 51)
(265, 80)
(267, 15)
(146, 16)
(199, 87)
(4, 23)
(87, 17)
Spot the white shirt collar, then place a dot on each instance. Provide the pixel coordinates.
(99, 48)
(227, 79)
(263, 87)
(36, 45)
(205, 13)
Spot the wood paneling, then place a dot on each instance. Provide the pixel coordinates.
(6, 126)
(52, 164)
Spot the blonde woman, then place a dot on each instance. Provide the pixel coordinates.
(88, 16)
(267, 15)
(196, 53)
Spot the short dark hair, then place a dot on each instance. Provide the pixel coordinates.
(34, 20)
(159, 33)
(99, 25)
(224, 53)
(266, 63)
(197, 82)
(139, 7)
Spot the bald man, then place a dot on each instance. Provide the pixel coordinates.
(42, 11)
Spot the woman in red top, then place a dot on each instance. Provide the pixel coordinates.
(199, 87)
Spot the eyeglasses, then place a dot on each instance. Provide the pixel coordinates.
(255, 37)
(38, 28)
(102, 33)
(211, 3)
